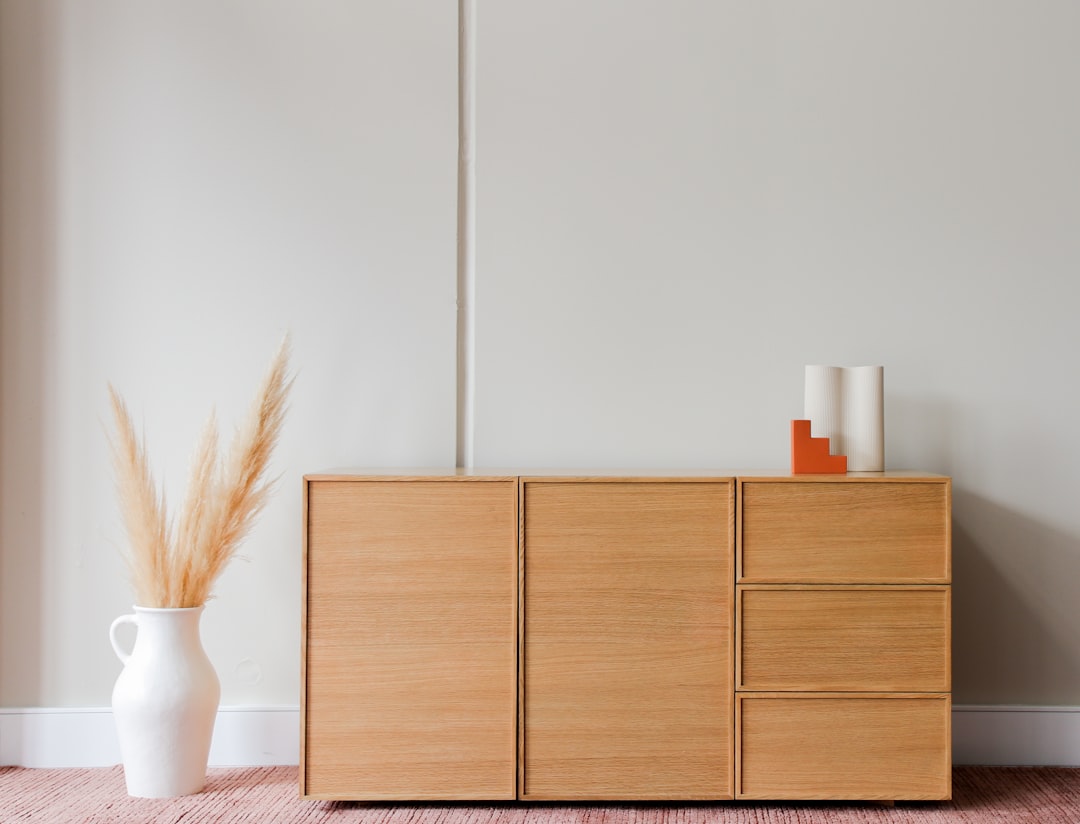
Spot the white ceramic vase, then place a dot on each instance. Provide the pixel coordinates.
(164, 702)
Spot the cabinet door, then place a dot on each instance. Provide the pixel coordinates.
(410, 640)
(627, 640)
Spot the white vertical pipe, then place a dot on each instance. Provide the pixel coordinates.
(466, 233)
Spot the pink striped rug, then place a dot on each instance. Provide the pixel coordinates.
(268, 795)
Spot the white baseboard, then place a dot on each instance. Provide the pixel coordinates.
(270, 736)
(1016, 735)
(86, 737)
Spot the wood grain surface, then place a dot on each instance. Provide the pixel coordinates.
(882, 639)
(627, 640)
(410, 640)
(854, 532)
(844, 746)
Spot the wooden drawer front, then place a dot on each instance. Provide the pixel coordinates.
(627, 650)
(883, 639)
(844, 532)
(410, 643)
(837, 746)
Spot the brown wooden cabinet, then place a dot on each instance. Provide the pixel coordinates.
(647, 637)
(843, 653)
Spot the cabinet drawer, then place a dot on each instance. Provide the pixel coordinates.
(844, 532)
(843, 746)
(884, 639)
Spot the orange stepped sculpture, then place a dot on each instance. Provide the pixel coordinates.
(810, 455)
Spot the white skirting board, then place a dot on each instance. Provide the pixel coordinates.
(243, 737)
(270, 736)
(1016, 735)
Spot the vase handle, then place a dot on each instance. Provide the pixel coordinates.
(123, 619)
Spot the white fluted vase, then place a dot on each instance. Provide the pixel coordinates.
(165, 703)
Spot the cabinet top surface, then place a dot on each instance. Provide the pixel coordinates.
(532, 474)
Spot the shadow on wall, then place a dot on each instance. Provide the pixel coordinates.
(1015, 615)
(29, 74)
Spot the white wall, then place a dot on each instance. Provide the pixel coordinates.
(182, 184)
(679, 205)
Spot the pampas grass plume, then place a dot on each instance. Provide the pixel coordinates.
(178, 567)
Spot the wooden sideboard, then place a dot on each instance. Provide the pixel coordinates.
(571, 636)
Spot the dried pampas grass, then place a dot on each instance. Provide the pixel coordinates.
(178, 568)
